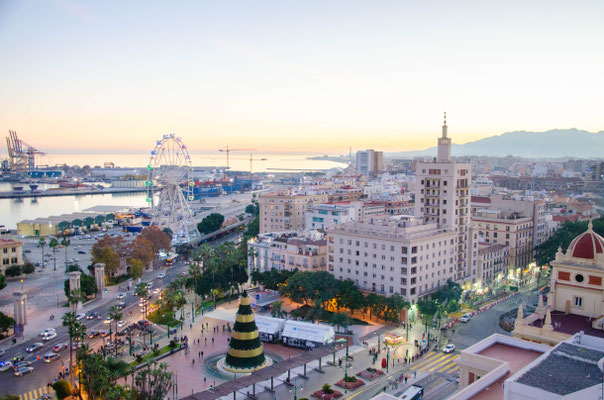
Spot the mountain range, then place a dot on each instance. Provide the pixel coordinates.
(554, 143)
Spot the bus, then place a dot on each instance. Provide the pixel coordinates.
(414, 392)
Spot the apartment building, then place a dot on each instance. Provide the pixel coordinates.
(11, 252)
(285, 210)
(493, 263)
(507, 228)
(324, 215)
(287, 251)
(392, 254)
(443, 197)
(369, 161)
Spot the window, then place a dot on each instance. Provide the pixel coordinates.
(579, 278)
(578, 302)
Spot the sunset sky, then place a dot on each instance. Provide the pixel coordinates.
(296, 76)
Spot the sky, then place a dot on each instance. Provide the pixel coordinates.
(296, 76)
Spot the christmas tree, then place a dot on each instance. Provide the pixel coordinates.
(245, 351)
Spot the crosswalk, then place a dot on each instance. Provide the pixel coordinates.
(36, 393)
(437, 362)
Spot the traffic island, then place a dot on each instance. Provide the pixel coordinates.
(327, 393)
(370, 374)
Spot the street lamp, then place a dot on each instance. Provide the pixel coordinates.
(295, 388)
(341, 341)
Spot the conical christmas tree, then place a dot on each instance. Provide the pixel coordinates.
(245, 351)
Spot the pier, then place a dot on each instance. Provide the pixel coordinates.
(70, 192)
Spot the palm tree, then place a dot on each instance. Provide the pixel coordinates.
(65, 243)
(76, 331)
(74, 297)
(277, 310)
(142, 291)
(115, 313)
(42, 243)
(340, 320)
(53, 245)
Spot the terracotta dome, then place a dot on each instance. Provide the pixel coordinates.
(586, 245)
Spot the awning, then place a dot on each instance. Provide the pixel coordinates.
(307, 331)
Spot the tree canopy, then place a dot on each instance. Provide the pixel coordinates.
(210, 224)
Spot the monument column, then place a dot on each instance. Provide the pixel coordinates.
(74, 283)
(20, 312)
(99, 276)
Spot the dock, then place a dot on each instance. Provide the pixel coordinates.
(70, 192)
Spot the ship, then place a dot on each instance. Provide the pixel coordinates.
(200, 189)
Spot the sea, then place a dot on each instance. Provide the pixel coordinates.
(15, 210)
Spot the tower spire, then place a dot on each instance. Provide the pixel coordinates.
(445, 127)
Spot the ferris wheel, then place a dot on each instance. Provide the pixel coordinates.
(168, 180)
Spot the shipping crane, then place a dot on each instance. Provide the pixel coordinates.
(21, 156)
(227, 151)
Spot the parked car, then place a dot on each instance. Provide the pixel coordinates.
(450, 348)
(59, 347)
(107, 321)
(49, 336)
(34, 347)
(465, 318)
(121, 324)
(104, 333)
(23, 370)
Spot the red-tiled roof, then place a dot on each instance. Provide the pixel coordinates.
(481, 199)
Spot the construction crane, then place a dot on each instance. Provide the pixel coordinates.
(227, 151)
(21, 156)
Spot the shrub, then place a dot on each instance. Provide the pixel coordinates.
(62, 388)
(28, 268)
(13, 271)
(326, 388)
(13, 397)
(350, 379)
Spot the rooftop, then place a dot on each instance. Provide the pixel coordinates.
(567, 369)
(571, 324)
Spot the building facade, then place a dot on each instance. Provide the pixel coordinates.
(369, 162)
(285, 210)
(11, 252)
(392, 254)
(287, 251)
(443, 197)
(493, 263)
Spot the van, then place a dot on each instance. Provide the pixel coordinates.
(50, 357)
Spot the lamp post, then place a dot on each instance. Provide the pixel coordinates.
(341, 341)
(295, 388)
(387, 358)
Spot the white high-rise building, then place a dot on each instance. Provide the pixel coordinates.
(443, 197)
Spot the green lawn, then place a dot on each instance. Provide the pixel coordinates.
(163, 316)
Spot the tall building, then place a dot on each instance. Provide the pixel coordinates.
(392, 254)
(443, 197)
(370, 161)
(285, 210)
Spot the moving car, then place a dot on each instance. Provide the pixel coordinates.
(92, 334)
(80, 316)
(34, 347)
(50, 357)
(156, 290)
(450, 348)
(23, 370)
(121, 296)
(104, 333)
(465, 318)
(18, 358)
(81, 252)
(150, 285)
(121, 324)
(161, 275)
(121, 305)
(22, 364)
(91, 315)
(47, 331)
(49, 336)
(58, 347)
(5, 366)
(107, 321)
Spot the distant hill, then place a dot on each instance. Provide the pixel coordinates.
(555, 143)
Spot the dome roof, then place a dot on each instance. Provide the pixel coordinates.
(586, 245)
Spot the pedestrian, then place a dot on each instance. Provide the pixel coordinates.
(414, 374)
(202, 354)
(405, 380)
(212, 341)
(190, 326)
(193, 362)
(206, 341)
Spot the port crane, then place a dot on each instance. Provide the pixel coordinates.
(227, 151)
(21, 156)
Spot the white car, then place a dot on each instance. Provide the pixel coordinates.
(161, 275)
(34, 347)
(450, 348)
(465, 318)
(156, 290)
(49, 336)
(121, 324)
(121, 296)
(47, 331)
(107, 321)
(150, 285)
(80, 316)
(5, 366)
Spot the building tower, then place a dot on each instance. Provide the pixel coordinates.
(443, 196)
(245, 353)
